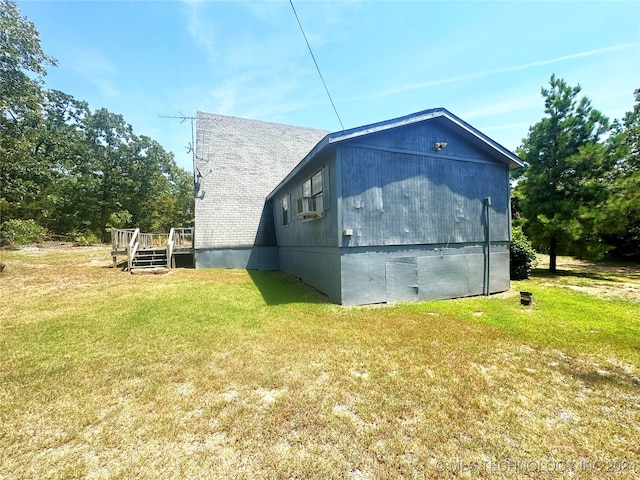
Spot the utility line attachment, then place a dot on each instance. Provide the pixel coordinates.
(316, 63)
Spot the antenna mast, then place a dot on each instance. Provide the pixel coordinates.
(192, 146)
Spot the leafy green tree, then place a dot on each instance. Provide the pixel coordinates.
(59, 143)
(136, 175)
(70, 170)
(175, 207)
(564, 181)
(22, 68)
(21, 232)
(22, 63)
(624, 203)
(108, 137)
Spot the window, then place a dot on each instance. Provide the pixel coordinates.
(310, 204)
(313, 186)
(316, 184)
(286, 218)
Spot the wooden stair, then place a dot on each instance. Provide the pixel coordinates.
(149, 259)
(151, 252)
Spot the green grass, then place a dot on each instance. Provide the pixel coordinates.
(226, 374)
(572, 321)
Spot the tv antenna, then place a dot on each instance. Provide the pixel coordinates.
(191, 147)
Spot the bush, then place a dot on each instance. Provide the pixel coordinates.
(84, 239)
(21, 232)
(522, 255)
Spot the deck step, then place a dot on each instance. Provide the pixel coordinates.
(150, 259)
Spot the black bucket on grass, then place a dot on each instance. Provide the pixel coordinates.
(526, 298)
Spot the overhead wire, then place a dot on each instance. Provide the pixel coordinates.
(316, 63)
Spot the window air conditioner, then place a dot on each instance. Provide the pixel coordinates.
(310, 207)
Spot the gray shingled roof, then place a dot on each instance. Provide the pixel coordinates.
(238, 163)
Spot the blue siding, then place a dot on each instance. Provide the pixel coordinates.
(393, 198)
(318, 267)
(420, 137)
(417, 216)
(308, 249)
(321, 232)
(394, 274)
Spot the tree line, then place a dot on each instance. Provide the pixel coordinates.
(71, 170)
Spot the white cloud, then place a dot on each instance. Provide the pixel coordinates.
(202, 31)
(487, 73)
(92, 65)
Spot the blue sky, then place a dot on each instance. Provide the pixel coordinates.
(484, 61)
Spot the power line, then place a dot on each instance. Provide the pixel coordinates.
(317, 67)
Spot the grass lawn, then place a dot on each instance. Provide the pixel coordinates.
(210, 374)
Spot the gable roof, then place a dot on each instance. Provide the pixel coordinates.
(238, 162)
(499, 152)
(480, 138)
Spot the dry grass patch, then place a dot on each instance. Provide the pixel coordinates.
(222, 374)
(600, 279)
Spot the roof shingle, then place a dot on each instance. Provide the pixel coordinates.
(238, 163)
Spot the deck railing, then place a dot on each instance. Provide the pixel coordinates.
(120, 239)
(170, 242)
(153, 240)
(183, 238)
(134, 245)
(130, 240)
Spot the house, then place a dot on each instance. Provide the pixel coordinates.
(238, 163)
(411, 208)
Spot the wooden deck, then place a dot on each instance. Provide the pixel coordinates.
(150, 250)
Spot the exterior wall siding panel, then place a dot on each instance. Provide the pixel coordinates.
(321, 232)
(318, 267)
(400, 199)
(394, 274)
(422, 136)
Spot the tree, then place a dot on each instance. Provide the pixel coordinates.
(64, 204)
(563, 186)
(68, 169)
(20, 54)
(133, 177)
(522, 256)
(23, 176)
(22, 67)
(624, 203)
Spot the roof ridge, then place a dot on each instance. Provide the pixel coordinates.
(201, 113)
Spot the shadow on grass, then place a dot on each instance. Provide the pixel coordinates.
(280, 288)
(596, 378)
(543, 273)
(595, 375)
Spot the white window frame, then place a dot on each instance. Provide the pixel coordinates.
(312, 188)
(285, 206)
